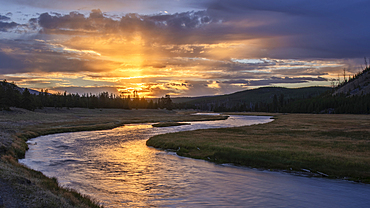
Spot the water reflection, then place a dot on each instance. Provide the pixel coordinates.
(118, 169)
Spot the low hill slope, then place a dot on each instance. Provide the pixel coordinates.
(264, 94)
(360, 85)
(5, 85)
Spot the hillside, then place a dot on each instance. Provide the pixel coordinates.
(20, 89)
(358, 85)
(250, 98)
(350, 97)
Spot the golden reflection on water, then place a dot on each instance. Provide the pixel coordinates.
(132, 176)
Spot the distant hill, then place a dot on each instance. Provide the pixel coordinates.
(264, 94)
(358, 85)
(350, 97)
(186, 99)
(33, 92)
(20, 89)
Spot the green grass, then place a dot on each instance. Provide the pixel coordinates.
(336, 145)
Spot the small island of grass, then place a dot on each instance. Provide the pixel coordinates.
(168, 124)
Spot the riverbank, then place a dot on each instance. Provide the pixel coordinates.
(334, 146)
(169, 124)
(23, 187)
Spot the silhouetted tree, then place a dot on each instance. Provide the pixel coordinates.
(165, 102)
(27, 101)
(275, 104)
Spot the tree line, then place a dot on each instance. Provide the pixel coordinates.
(325, 103)
(13, 96)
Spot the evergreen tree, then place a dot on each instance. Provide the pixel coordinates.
(27, 101)
(166, 102)
(275, 104)
(2, 98)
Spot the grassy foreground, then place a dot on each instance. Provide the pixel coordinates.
(23, 187)
(334, 146)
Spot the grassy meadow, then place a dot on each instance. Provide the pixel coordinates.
(334, 146)
(30, 188)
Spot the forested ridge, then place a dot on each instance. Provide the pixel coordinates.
(351, 95)
(344, 98)
(13, 96)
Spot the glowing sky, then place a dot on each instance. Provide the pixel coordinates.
(178, 47)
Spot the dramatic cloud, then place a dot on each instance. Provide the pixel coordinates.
(116, 6)
(214, 48)
(4, 18)
(306, 29)
(5, 26)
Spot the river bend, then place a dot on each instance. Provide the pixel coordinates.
(119, 170)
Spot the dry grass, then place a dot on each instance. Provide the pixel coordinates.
(336, 145)
(17, 126)
(34, 189)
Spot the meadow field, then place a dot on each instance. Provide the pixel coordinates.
(324, 145)
(334, 146)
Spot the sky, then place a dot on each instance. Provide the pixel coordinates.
(181, 47)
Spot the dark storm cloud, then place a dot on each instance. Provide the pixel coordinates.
(74, 20)
(181, 21)
(294, 29)
(179, 28)
(22, 56)
(308, 28)
(123, 6)
(9, 64)
(4, 18)
(5, 26)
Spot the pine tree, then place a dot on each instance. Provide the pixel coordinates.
(27, 101)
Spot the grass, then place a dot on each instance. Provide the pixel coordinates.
(36, 190)
(17, 126)
(168, 124)
(337, 146)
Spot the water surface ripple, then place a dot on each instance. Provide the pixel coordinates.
(118, 169)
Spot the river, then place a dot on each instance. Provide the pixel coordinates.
(116, 168)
